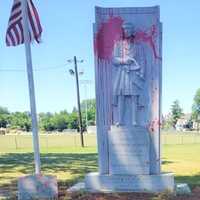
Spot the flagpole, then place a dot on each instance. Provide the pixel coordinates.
(31, 87)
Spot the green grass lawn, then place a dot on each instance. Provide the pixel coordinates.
(72, 163)
(184, 161)
(62, 156)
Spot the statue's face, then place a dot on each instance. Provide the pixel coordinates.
(128, 29)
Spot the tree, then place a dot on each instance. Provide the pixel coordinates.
(74, 109)
(46, 121)
(176, 112)
(60, 120)
(196, 107)
(73, 121)
(20, 120)
(167, 122)
(4, 117)
(91, 110)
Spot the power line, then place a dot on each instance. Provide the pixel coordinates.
(17, 69)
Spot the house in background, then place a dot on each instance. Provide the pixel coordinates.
(184, 123)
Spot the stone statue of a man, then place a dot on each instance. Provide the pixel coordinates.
(129, 78)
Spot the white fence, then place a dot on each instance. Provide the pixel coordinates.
(73, 140)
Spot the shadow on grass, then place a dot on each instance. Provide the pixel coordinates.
(164, 162)
(73, 165)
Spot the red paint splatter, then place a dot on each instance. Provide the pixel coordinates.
(39, 176)
(111, 31)
(148, 38)
(46, 184)
(108, 34)
(154, 125)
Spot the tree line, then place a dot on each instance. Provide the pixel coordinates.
(58, 121)
(176, 113)
(64, 120)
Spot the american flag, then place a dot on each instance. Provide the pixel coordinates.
(15, 34)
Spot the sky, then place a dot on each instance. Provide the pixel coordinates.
(68, 32)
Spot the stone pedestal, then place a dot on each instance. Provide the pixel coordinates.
(128, 150)
(37, 187)
(95, 182)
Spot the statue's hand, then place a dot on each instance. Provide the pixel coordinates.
(134, 64)
(129, 61)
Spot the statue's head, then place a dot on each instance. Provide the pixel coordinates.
(128, 29)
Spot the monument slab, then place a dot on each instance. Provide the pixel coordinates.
(128, 77)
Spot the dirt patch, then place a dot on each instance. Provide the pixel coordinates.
(127, 196)
(10, 193)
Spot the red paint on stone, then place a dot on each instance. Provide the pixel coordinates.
(154, 125)
(148, 37)
(109, 32)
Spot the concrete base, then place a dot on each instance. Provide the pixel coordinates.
(37, 187)
(182, 189)
(94, 182)
(80, 186)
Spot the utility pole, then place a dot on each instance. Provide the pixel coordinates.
(78, 97)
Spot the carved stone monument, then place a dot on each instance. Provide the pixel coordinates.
(128, 70)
